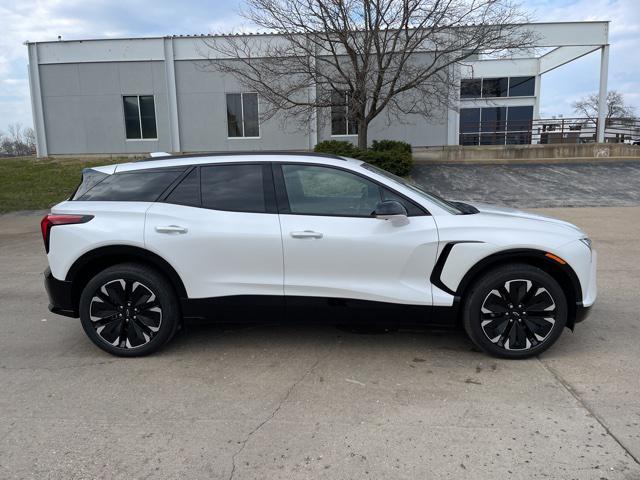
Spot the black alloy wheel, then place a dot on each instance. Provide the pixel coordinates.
(125, 313)
(129, 310)
(515, 311)
(518, 315)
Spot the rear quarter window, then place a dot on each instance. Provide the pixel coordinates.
(90, 178)
(139, 186)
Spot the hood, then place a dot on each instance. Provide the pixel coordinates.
(513, 212)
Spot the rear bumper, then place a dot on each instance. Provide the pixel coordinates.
(60, 295)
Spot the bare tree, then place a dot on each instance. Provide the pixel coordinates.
(30, 139)
(18, 142)
(616, 107)
(369, 56)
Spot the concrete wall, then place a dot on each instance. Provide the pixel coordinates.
(525, 153)
(83, 111)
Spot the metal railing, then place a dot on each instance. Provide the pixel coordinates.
(548, 131)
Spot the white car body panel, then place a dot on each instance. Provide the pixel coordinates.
(494, 230)
(114, 223)
(584, 263)
(221, 253)
(360, 258)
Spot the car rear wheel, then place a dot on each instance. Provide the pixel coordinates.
(515, 311)
(129, 310)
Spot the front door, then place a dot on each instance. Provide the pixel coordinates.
(334, 247)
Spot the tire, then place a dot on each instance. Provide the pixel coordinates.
(129, 310)
(515, 311)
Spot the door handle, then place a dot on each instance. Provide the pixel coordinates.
(306, 234)
(171, 229)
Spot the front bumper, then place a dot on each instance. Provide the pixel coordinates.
(60, 295)
(582, 312)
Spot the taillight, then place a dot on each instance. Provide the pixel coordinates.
(50, 220)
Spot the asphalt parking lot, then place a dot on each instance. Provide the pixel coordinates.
(316, 402)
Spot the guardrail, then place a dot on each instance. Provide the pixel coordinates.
(548, 131)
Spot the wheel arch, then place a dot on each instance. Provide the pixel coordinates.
(90, 263)
(562, 273)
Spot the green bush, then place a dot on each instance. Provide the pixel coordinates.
(388, 145)
(336, 147)
(390, 155)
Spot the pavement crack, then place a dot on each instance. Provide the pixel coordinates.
(572, 391)
(282, 401)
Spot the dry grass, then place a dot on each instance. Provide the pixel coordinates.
(27, 183)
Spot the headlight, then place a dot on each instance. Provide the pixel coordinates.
(587, 242)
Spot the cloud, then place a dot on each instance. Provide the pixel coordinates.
(579, 78)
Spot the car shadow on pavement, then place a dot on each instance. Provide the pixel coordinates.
(285, 336)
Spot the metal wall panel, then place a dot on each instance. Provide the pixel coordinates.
(414, 129)
(65, 124)
(83, 106)
(97, 78)
(203, 119)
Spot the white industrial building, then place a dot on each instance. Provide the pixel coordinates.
(138, 95)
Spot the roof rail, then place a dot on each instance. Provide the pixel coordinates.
(155, 156)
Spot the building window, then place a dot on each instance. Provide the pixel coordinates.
(497, 87)
(519, 125)
(342, 122)
(522, 86)
(140, 117)
(471, 88)
(495, 125)
(469, 126)
(242, 115)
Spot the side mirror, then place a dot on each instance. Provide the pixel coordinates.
(391, 210)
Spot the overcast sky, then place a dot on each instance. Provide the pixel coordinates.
(40, 20)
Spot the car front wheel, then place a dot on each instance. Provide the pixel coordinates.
(129, 310)
(515, 311)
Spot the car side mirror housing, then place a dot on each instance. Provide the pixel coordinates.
(391, 210)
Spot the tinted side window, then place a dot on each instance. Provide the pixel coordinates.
(187, 192)
(314, 190)
(235, 188)
(141, 186)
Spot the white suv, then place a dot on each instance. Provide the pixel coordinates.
(141, 246)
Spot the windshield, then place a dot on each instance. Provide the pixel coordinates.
(441, 202)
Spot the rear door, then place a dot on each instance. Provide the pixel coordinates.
(220, 231)
(334, 247)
